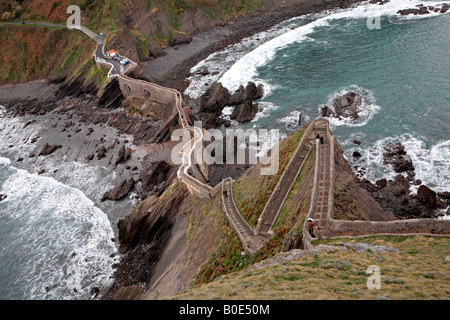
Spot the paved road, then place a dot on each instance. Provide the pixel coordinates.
(41, 24)
(117, 68)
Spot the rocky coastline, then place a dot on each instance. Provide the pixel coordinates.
(396, 197)
(139, 149)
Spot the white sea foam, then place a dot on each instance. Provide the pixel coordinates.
(4, 161)
(291, 121)
(245, 69)
(367, 110)
(219, 62)
(62, 239)
(264, 110)
(431, 164)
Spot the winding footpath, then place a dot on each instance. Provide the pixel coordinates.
(322, 197)
(254, 239)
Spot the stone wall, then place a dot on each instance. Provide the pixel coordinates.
(307, 239)
(145, 90)
(275, 193)
(341, 228)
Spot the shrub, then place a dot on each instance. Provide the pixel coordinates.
(6, 16)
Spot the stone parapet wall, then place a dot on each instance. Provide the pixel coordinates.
(276, 192)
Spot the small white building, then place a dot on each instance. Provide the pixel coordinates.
(111, 53)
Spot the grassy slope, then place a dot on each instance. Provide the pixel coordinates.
(36, 52)
(252, 191)
(227, 255)
(418, 271)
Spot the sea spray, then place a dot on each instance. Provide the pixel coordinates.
(52, 236)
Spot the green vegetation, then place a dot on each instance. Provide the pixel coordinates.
(252, 191)
(228, 257)
(342, 274)
(158, 23)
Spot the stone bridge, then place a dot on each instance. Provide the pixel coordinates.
(322, 198)
(254, 239)
(322, 207)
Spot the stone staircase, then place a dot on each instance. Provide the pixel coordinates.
(254, 239)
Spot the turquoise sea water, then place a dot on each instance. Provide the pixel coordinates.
(402, 70)
(54, 238)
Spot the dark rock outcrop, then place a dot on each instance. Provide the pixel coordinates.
(217, 98)
(180, 38)
(426, 196)
(112, 97)
(445, 195)
(381, 183)
(3, 197)
(101, 152)
(421, 9)
(245, 112)
(120, 191)
(345, 106)
(48, 149)
(214, 99)
(395, 197)
(143, 235)
(395, 155)
(356, 154)
(123, 155)
(155, 51)
(155, 177)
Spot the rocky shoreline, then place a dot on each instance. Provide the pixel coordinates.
(172, 65)
(139, 149)
(395, 196)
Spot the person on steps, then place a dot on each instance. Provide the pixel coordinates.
(310, 225)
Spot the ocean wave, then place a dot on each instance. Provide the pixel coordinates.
(4, 161)
(291, 121)
(367, 110)
(219, 62)
(431, 164)
(245, 69)
(62, 239)
(264, 110)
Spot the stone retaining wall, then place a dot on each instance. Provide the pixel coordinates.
(275, 193)
(342, 228)
(307, 239)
